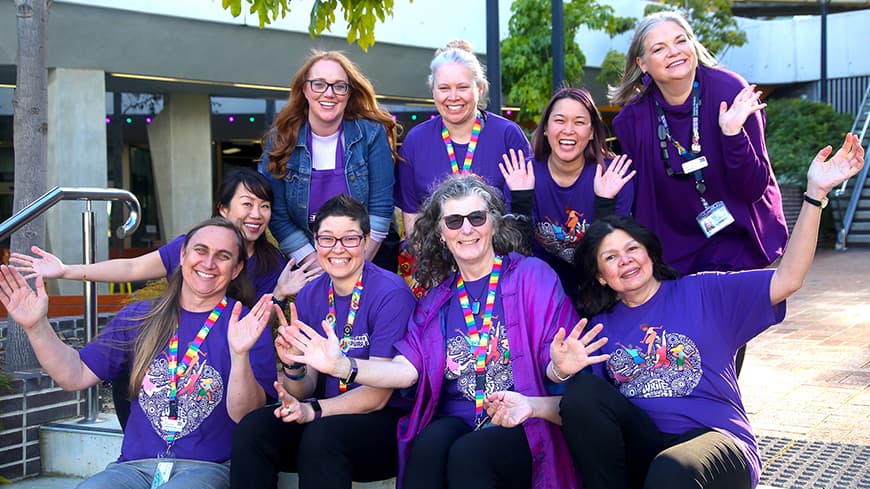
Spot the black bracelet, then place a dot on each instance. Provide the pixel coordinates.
(315, 406)
(292, 366)
(353, 371)
(296, 366)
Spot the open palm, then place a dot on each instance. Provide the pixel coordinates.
(26, 306)
(846, 162)
(44, 264)
(243, 333)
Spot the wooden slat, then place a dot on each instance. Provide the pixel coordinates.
(73, 305)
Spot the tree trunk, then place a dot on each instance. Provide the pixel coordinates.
(30, 140)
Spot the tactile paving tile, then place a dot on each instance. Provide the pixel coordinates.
(801, 464)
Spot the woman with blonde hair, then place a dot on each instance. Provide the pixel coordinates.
(330, 138)
(463, 138)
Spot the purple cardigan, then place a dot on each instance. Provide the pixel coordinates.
(534, 308)
(739, 173)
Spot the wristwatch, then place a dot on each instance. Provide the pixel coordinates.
(818, 203)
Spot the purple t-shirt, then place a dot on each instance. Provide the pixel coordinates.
(738, 173)
(386, 304)
(562, 214)
(458, 389)
(208, 428)
(425, 162)
(674, 355)
(264, 283)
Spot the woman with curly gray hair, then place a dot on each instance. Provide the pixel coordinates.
(484, 328)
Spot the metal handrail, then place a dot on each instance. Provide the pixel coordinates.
(87, 194)
(854, 200)
(55, 195)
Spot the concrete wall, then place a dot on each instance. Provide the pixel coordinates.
(180, 143)
(76, 158)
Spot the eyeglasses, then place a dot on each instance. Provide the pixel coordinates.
(454, 221)
(338, 88)
(349, 241)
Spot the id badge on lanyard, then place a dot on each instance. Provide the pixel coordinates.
(163, 471)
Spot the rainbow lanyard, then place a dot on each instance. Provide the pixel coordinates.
(472, 145)
(176, 370)
(479, 340)
(351, 316)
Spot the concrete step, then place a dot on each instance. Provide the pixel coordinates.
(72, 451)
(80, 450)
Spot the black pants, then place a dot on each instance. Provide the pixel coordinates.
(447, 453)
(328, 453)
(615, 445)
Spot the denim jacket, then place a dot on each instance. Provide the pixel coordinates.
(369, 171)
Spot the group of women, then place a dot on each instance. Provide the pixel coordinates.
(491, 379)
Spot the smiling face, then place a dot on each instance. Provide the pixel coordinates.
(470, 246)
(326, 110)
(342, 264)
(249, 213)
(668, 54)
(209, 262)
(456, 94)
(624, 265)
(569, 130)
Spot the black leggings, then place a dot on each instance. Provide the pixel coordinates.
(447, 453)
(615, 445)
(328, 453)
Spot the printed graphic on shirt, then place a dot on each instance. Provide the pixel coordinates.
(661, 364)
(461, 361)
(200, 389)
(561, 238)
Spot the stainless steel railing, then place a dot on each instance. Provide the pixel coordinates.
(88, 194)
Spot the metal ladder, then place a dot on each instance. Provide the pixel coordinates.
(855, 222)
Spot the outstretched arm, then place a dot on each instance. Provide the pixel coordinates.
(324, 355)
(146, 267)
(801, 248)
(29, 309)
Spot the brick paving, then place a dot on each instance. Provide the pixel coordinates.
(806, 381)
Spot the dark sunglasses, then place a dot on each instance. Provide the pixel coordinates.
(454, 221)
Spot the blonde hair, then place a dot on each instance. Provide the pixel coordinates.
(632, 83)
(460, 52)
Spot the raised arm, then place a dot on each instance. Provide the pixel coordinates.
(801, 248)
(146, 267)
(29, 308)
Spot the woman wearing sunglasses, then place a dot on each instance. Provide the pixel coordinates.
(341, 431)
(331, 137)
(484, 327)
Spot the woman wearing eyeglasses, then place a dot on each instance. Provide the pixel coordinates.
(330, 138)
(484, 327)
(331, 431)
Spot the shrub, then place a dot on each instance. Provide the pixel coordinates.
(796, 130)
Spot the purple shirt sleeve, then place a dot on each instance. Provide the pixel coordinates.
(170, 254)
